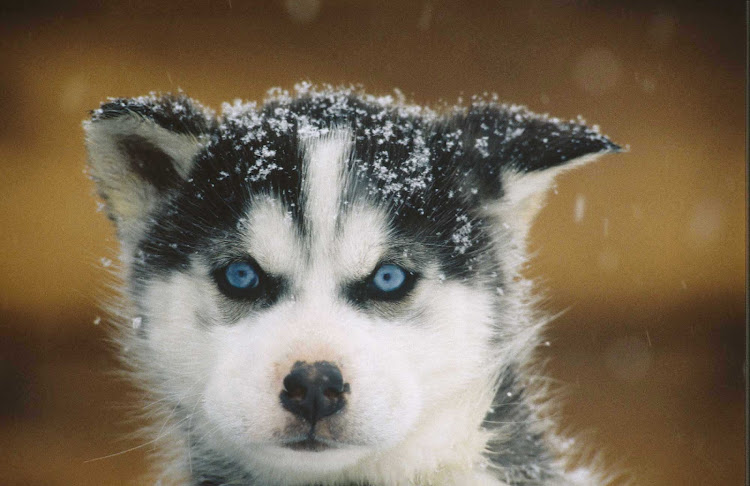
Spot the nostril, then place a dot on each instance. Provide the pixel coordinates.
(296, 392)
(336, 391)
(332, 393)
(294, 389)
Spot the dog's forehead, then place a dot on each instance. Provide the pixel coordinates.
(357, 239)
(335, 229)
(330, 164)
(321, 155)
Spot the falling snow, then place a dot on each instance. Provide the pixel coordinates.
(580, 208)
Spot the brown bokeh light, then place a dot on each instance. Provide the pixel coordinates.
(645, 250)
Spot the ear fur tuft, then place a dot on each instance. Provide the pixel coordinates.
(141, 148)
(520, 155)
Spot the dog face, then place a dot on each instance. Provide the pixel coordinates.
(323, 286)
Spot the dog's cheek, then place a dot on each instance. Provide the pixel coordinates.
(454, 348)
(242, 394)
(388, 396)
(175, 349)
(404, 370)
(204, 367)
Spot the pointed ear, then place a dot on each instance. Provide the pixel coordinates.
(141, 148)
(530, 152)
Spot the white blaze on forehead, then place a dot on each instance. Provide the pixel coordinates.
(362, 241)
(272, 237)
(325, 159)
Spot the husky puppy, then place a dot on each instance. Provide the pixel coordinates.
(326, 289)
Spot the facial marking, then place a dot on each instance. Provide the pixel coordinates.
(325, 159)
(272, 238)
(361, 242)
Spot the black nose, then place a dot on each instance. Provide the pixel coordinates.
(314, 391)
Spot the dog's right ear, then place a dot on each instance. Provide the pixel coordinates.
(140, 149)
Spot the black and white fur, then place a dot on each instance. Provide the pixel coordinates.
(318, 188)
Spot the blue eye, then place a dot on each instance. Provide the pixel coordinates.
(389, 282)
(389, 278)
(241, 276)
(244, 280)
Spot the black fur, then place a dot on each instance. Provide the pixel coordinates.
(149, 162)
(528, 460)
(176, 113)
(459, 173)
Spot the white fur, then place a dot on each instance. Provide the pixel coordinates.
(402, 373)
(272, 238)
(324, 162)
(526, 192)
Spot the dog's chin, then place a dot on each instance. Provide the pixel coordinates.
(308, 457)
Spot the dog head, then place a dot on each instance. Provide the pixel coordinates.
(326, 280)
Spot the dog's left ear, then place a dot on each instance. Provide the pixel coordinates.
(140, 149)
(519, 155)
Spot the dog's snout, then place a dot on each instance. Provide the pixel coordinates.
(314, 391)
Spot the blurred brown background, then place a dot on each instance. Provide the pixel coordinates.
(646, 249)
